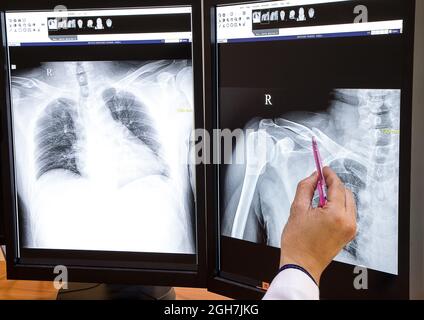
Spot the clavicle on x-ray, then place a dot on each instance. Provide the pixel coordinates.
(358, 137)
(101, 152)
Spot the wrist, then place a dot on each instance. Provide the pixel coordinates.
(311, 267)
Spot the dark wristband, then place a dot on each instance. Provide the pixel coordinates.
(294, 266)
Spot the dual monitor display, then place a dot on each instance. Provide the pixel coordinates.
(102, 106)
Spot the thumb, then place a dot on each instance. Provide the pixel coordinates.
(305, 192)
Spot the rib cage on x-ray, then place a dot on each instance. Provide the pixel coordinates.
(358, 137)
(101, 154)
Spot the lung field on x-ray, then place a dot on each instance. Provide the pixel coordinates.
(101, 153)
(56, 138)
(358, 136)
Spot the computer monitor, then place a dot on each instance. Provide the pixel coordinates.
(101, 103)
(280, 73)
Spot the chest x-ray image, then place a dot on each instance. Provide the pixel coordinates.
(358, 136)
(265, 17)
(274, 16)
(101, 156)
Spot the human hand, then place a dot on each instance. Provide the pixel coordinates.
(313, 237)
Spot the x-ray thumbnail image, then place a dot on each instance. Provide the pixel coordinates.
(274, 16)
(256, 17)
(101, 155)
(62, 23)
(358, 136)
(99, 24)
(301, 16)
(72, 24)
(52, 24)
(265, 17)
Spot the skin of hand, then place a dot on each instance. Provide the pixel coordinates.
(313, 237)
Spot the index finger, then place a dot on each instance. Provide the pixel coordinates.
(305, 192)
(336, 190)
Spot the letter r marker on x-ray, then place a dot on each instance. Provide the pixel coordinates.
(268, 101)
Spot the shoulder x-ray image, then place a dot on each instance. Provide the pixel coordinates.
(358, 137)
(101, 156)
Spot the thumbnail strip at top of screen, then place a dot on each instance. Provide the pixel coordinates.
(117, 26)
(289, 20)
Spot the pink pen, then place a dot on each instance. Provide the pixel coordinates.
(321, 181)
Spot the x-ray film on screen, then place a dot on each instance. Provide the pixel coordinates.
(102, 147)
(359, 139)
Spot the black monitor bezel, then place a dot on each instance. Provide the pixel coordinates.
(2, 216)
(2, 236)
(98, 266)
(396, 287)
